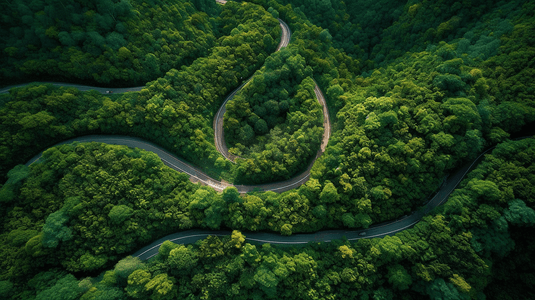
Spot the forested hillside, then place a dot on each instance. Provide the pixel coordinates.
(275, 123)
(401, 129)
(176, 110)
(102, 42)
(479, 243)
(415, 90)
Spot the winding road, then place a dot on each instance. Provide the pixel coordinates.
(196, 175)
(377, 230)
(219, 132)
(190, 236)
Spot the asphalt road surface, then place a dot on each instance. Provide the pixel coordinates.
(180, 165)
(219, 132)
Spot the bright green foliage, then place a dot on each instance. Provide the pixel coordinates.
(397, 131)
(250, 254)
(166, 248)
(61, 210)
(445, 256)
(103, 293)
(205, 202)
(118, 214)
(161, 287)
(136, 284)
(286, 229)
(231, 195)
(267, 281)
(211, 248)
(172, 110)
(181, 260)
(237, 239)
(90, 262)
(329, 194)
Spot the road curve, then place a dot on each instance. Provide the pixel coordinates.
(377, 230)
(286, 35)
(174, 162)
(191, 236)
(219, 132)
(81, 87)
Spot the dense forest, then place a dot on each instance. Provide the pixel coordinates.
(479, 243)
(176, 110)
(275, 123)
(415, 89)
(102, 42)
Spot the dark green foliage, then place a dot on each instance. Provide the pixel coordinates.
(15, 179)
(410, 110)
(519, 214)
(56, 229)
(425, 260)
(107, 42)
(123, 201)
(275, 122)
(6, 289)
(66, 288)
(125, 267)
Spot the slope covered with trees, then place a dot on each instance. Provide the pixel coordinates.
(401, 129)
(462, 250)
(376, 32)
(102, 42)
(275, 122)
